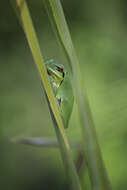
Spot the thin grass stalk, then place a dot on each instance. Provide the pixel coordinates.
(38, 59)
(42, 142)
(96, 167)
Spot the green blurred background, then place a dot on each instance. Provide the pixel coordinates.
(99, 33)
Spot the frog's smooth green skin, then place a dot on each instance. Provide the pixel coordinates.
(62, 88)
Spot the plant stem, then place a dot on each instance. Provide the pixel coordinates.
(36, 52)
(41, 142)
(93, 155)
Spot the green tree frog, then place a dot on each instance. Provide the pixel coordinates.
(62, 88)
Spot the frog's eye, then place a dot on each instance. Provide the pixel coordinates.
(60, 69)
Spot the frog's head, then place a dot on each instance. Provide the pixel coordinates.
(55, 72)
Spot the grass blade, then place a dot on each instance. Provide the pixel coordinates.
(95, 162)
(36, 52)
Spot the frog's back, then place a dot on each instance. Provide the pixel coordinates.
(65, 93)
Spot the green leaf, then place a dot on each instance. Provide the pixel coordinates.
(96, 168)
(36, 52)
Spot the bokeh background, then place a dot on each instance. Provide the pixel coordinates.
(99, 33)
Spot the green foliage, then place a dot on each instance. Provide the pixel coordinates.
(29, 31)
(99, 35)
(96, 168)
